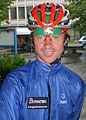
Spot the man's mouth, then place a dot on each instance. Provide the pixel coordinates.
(48, 53)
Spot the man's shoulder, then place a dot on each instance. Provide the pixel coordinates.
(75, 83)
(22, 73)
(72, 76)
(25, 68)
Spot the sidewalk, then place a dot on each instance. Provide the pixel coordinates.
(29, 56)
(83, 113)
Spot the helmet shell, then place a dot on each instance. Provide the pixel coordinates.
(49, 15)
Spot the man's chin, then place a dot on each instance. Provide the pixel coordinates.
(47, 60)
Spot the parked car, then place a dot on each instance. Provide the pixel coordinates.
(82, 40)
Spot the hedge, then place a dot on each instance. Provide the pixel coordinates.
(8, 64)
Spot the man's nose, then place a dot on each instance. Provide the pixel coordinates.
(48, 40)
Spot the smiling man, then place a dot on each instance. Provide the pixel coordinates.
(49, 48)
(44, 89)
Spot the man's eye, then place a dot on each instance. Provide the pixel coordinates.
(55, 37)
(39, 37)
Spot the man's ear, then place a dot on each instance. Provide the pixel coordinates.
(65, 41)
(32, 37)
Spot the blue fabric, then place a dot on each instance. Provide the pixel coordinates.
(32, 80)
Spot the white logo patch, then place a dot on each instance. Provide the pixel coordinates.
(48, 30)
(63, 99)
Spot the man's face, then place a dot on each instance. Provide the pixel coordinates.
(49, 48)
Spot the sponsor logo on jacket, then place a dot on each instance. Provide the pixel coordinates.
(37, 103)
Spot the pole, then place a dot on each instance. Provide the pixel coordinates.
(15, 42)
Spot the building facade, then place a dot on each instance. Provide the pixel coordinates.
(18, 11)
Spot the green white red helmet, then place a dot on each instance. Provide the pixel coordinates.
(49, 18)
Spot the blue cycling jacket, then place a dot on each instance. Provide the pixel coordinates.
(37, 91)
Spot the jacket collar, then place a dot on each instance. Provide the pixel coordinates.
(46, 68)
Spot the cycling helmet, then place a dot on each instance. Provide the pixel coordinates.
(48, 18)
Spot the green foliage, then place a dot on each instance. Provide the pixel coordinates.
(4, 6)
(8, 64)
(78, 10)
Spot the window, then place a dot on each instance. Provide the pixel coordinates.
(7, 14)
(28, 9)
(21, 12)
(13, 13)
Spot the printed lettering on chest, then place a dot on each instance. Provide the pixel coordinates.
(37, 103)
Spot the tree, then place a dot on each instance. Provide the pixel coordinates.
(77, 9)
(4, 6)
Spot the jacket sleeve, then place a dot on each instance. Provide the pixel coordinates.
(77, 107)
(9, 99)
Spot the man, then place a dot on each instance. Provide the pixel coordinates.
(44, 89)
